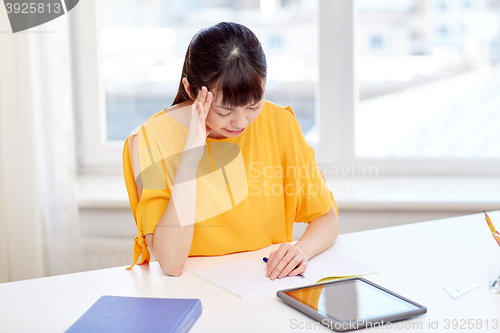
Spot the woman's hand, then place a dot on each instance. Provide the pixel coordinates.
(288, 260)
(200, 109)
(198, 129)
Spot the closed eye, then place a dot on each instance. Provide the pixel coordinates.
(256, 107)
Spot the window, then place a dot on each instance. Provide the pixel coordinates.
(436, 108)
(424, 107)
(376, 42)
(142, 45)
(443, 31)
(494, 4)
(276, 42)
(443, 6)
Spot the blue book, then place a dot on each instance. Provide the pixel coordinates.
(138, 314)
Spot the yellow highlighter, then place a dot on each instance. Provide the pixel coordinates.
(495, 235)
(494, 231)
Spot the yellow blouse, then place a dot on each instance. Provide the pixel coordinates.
(250, 188)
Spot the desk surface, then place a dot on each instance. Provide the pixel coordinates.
(414, 260)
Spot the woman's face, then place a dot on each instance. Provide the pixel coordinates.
(228, 121)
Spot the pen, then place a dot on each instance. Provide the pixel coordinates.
(299, 275)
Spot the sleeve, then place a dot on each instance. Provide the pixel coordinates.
(304, 184)
(150, 205)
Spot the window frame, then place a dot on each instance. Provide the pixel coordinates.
(336, 100)
(95, 153)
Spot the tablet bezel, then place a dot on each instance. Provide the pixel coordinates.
(331, 322)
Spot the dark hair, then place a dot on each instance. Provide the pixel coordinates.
(227, 57)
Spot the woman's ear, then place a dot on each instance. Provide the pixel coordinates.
(186, 87)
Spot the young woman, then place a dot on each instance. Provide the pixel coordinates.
(223, 170)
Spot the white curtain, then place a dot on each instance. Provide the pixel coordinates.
(39, 228)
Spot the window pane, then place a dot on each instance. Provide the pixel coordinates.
(144, 43)
(429, 79)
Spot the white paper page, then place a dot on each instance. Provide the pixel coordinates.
(329, 264)
(248, 278)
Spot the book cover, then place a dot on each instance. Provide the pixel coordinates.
(138, 314)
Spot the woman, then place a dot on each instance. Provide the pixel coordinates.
(223, 170)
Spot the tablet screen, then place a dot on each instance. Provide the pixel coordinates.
(351, 300)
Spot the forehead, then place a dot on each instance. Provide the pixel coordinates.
(218, 96)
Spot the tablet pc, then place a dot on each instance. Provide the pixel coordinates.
(349, 304)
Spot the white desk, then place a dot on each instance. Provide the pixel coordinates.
(414, 260)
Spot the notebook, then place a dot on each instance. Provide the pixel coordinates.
(136, 314)
(247, 278)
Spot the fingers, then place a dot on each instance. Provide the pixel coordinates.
(273, 261)
(204, 97)
(201, 108)
(208, 102)
(300, 269)
(295, 266)
(269, 261)
(288, 260)
(201, 111)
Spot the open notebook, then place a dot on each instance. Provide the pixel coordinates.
(247, 278)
